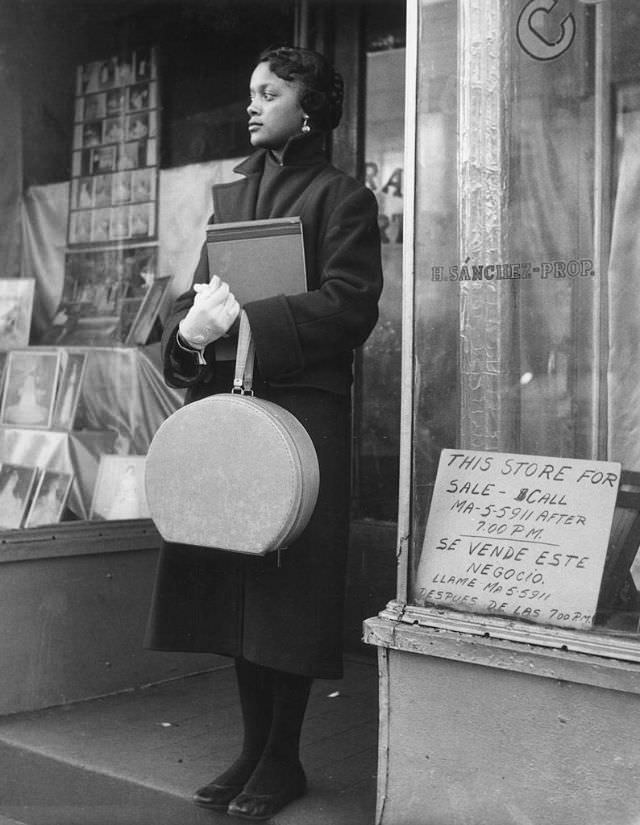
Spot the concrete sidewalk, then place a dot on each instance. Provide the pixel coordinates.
(135, 758)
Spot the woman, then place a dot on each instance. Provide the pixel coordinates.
(281, 620)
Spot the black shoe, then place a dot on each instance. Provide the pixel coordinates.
(257, 807)
(216, 797)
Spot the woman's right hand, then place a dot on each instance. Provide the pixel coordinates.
(213, 312)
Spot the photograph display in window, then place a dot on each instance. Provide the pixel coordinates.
(16, 305)
(150, 306)
(119, 492)
(49, 499)
(74, 426)
(115, 151)
(72, 367)
(16, 489)
(30, 388)
(103, 290)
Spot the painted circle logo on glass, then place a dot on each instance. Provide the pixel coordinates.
(532, 24)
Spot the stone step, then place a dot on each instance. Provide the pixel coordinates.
(135, 758)
(40, 790)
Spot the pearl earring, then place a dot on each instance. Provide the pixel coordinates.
(306, 128)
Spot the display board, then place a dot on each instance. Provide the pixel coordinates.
(111, 258)
(518, 536)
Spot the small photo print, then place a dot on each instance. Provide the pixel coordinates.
(130, 155)
(124, 70)
(138, 126)
(31, 382)
(80, 227)
(106, 73)
(113, 130)
(115, 100)
(72, 368)
(83, 193)
(142, 220)
(102, 190)
(103, 160)
(137, 153)
(121, 188)
(143, 185)
(49, 499)
(139, 97)
(119, 491)
(95, 107)
(92, 133)
(101, 225)
(119, 225)
(16, 305)
(16, 488)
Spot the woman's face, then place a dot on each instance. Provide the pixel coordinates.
(275, 113)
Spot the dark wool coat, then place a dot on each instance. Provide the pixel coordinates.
(285, 610)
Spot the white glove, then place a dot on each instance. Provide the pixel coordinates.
(213, 312)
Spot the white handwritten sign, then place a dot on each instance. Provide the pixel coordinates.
(519, 536)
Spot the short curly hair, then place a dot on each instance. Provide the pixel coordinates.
(323, 87)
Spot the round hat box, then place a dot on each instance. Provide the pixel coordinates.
(232, 472)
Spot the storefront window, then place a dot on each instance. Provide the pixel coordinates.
(378, 431)
(523, 323)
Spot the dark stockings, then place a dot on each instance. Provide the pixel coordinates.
(255, 689)
(280, 761)
(273, 705)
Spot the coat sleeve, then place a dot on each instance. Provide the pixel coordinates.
(181, 367)
(298, 331)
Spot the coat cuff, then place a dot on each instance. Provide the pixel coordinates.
(278, 350)
(183, 366)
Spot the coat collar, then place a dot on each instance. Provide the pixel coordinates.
(301, 150)
(236, 201)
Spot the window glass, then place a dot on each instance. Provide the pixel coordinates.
(524, 336)
(378, 427)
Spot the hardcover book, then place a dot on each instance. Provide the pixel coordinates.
(258, 259)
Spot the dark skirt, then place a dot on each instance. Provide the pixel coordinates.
(283, 610)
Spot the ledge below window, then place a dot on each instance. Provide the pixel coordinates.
(595, 659)
(78, 538)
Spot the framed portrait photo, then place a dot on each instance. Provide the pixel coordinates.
(119, 491)
(16, 306)
(49, 498)
(30, 388)
(129, 308)
(72, 368)
(3, 368)
(148, 312)
(16, 488)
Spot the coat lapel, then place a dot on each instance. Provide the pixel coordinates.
(236, 201)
